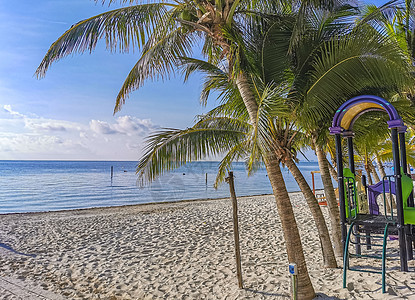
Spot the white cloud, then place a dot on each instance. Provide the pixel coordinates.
(101, 127)
(24, 137)
(127, 125)
(130, 125)
(8, 109)
(47, 125)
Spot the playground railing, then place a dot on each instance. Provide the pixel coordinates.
(387, 180)
(351, 197)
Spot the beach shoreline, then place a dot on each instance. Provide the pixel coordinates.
(131, 205)
(176, 250)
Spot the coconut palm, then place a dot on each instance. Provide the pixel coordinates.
(236, 138)
(283, 136)
(332, 70)
(165, 32)
(370, 129)
(400, 24)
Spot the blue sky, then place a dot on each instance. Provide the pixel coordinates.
(68, 114)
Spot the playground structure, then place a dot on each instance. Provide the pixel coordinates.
(360, 214)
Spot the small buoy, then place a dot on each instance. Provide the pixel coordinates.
(184, 173)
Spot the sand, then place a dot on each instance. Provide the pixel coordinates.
(176, 251)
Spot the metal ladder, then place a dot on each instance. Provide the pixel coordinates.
(347, 254)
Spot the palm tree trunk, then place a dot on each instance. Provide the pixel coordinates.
(375, 174)
(333, 171)
(331, 199)
(383, 174)
(248, 97)
(326, 247)
(369, 178)
(369, 174)
(289, 226)
(380, 166)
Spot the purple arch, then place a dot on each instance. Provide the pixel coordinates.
(355, 107)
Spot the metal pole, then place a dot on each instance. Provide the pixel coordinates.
(352, 168)
(399, 202)
(368, 241)
(292, 268)
(351, 153)
(339, 160)
(364, 183)
(410, 200)
(402, 147)
(235, 229)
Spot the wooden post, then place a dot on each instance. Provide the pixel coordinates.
(112, 173)
(235, 229)
(314, 185)
(206, 178)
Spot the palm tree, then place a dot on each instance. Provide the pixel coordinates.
(236, 138)
(259, 44)
(167, 31)
(400, 25)
(331, 150)
(360, 60)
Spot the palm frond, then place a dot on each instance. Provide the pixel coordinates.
(121, 28)
(215, 78)
(237, 152)
(157, 62)
(349, 66)
(168, 149)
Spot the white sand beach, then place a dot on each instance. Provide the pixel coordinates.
(175, 251)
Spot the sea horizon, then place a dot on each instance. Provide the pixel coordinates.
(54, 185)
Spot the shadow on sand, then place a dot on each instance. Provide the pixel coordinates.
(7, 247)
(264, 293)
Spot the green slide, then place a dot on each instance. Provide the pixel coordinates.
(407, 187)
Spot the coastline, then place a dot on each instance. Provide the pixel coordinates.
(176, 250)
(132, 205)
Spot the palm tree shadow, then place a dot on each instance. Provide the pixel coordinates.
(321, 296)
(264, 293)
(7, 247)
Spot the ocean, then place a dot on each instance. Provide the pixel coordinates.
(34, 186)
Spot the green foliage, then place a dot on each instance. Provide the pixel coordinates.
(302, 60)
(168, 149)
(222, 131)
(121, 28)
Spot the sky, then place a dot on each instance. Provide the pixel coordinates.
(68, 115)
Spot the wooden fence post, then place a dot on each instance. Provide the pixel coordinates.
(235, 229)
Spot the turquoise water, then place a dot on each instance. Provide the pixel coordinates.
(32, 186)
